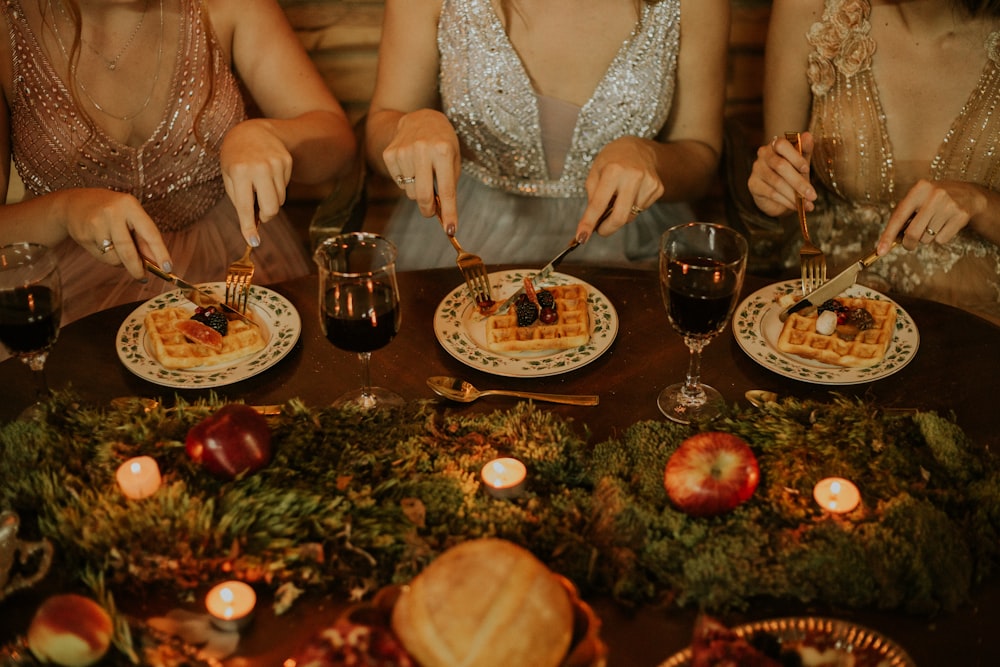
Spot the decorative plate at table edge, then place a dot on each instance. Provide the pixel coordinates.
(756, 327)
(460, 329)
(274, 311)
(841, 634)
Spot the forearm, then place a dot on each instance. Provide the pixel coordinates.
(380, 128)
(986, 223)
(38, 220)
(687, 168)
(321, 143)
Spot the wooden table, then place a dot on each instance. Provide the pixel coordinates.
(954, 371)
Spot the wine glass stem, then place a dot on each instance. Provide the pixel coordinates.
(692, 383)
(366, 376)
(36, 362)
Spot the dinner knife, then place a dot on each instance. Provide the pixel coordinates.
(546, 270)
(193, 294)
(836, 285)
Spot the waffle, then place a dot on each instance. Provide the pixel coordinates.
(799, 337)
(571, 329)
(174, 351)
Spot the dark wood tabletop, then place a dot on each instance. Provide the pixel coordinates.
(955, 371)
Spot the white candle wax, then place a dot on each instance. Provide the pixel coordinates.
(138, 477)
(231, 605)
(504, 478)
(837, 495)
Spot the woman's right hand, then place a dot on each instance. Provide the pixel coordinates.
(780, 175)
(424, 154)
(95, 216)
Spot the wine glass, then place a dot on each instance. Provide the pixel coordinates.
(359, 305)
(30, 308)
(701, 274)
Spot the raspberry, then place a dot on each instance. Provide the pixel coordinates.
(212, 318)
(527, 313)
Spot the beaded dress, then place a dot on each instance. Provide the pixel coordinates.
(526, 157)
(175, 173)
(853, 159)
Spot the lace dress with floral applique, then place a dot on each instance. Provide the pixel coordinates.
(853, 159)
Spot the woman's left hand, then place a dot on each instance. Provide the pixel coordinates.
(624, 169)
(256, 169)
(940, 209)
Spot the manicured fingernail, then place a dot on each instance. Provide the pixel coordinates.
(255, 241)
(451, 230)
(582, 237)
(168, 266)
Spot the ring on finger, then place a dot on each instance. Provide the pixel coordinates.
(106, 246)
(403, 181)
(930, 232)
(636, 210)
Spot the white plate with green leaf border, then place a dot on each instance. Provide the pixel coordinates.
(757, 327)
(461, 330)
(278, 317)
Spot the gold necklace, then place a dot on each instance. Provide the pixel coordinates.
(112, 64)
(83, 89)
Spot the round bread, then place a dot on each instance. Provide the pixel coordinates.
(485, 603)
(70, 630)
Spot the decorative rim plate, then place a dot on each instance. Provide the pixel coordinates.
(841, 634)
(461, 331)
(757, 328)
(275, 312)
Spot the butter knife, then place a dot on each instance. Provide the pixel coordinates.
(193, 294)
(546, 270)
(836, 285)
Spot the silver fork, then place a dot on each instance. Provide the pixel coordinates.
(811, 258)
(239, 277)
(472, 267)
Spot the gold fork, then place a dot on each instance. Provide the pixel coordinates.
(238, 280)
(472, 267)
(811, 258)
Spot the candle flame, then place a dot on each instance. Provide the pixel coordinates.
(135, 467)
(835, 488)
(226, 594)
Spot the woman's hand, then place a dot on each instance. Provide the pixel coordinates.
(940, 209)
(625, 169)
(114, 228)
(256, 169)
(780, 175)
(424, 153)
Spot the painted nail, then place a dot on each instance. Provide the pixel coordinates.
(168, 266)
(451, 230)
(255, 241)
(582, 237)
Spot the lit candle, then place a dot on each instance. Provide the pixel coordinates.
(138, 477)
(504, 478)
(230, 605)
(837, 495)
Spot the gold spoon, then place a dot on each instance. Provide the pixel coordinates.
(459, 390)
(150, 404)
(758, 397)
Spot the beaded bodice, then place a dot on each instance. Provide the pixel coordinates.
(175, 173)
(853, 155)
(488, 96)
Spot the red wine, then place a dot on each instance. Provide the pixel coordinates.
(361, 317)
(700, 295)
(29, 320)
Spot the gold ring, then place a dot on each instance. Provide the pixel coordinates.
(403, 181)
(106, 246)
(636, 210)
(930, 232)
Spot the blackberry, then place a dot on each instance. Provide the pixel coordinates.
(545, 299)
(212, 318)
(527, 313)
(834, 305)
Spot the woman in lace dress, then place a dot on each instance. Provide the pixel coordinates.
(531, 115)
(125, 120)
(900, 100)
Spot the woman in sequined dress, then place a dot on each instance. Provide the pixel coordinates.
(531, 115)
(125, 120)
(901, 101)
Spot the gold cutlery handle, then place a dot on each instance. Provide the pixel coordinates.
(567, 399)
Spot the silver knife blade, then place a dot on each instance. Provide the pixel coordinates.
(546, 270)
(194, 294)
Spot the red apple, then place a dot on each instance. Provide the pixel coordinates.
(233, 440)
(711, 473)
(70, 630)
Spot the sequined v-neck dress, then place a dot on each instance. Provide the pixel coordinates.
(511, 208)
(854, 161)
(175, 173)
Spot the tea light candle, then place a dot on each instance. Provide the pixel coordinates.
(504, 478)
(837, 495)
(231, 605)
(139, 477)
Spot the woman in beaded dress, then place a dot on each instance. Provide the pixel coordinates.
(902, 103)
(126, 122)
(529, 116)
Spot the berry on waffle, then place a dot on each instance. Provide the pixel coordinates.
(848, 347)
(570, 329)
(173, 350)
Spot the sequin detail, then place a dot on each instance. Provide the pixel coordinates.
(177, 179)
(488, 97)
(854, 160)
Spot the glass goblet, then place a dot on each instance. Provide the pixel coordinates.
(30, 308)
(701, 274)
(359, 305)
